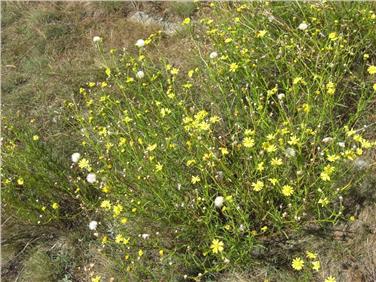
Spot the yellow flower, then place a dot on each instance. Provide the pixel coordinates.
(190, 162)
(249, 132)
(316, 265)
(374, 87)
(174, 71)
(248, 142)
(35, 137)
(269, 148)
(106, 204)
(119, 238)
(105, 189)
(371, 69)
(293, 140)
(233, 67)
(108, 72)
(330, 88)
(260, 167)
(20, 181)
(261, 33)
(306, 108)
(117, 210)
(311, 255)
(104, 239)
(273, 181)
(83, 163)
(330, 279)
(140, 253)
(195, 179)
(186, 21)
(217, 246)
(324, 202)
(258, 186)
(276, 162)
(124, 220)
(158, 167)
(297, 80)
(325, 175)
(297, 263)
(55, 206)
(287, 190)
(151, 148)
(333, 36)
(214, 119)
(224, 151)
(96, 279)
(190, 73)
(332, 158)
(165, 111)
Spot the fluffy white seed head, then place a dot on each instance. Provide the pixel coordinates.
(140, 43)
(75, 157)
(91, 178)
(145, 236)
(93, 225)
(218, 202)
(290, 152)
(140, 74)
(213, 55)
(327, 139)
(97, 39)
(342, 144)
(303, 26)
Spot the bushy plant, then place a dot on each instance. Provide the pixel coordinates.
(196, 166)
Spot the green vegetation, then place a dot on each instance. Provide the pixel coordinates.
(191, 170)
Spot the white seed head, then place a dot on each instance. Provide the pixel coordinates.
(140, 43)
(97, 39)
(213, 55)
(75, 157)
(303, 26)
(145, 236)
(218, 202)
(290, 152)
(140, 74)
(93, 225)
(91, 178)
(327, 139)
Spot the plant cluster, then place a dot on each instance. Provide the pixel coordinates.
(190, 168)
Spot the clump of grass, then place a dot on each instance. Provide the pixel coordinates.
(183, 9)
(255, 142)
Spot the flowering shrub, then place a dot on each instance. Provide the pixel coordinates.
(191, 168)
(234, 150)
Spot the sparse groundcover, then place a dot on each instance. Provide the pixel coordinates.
(188, 171)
